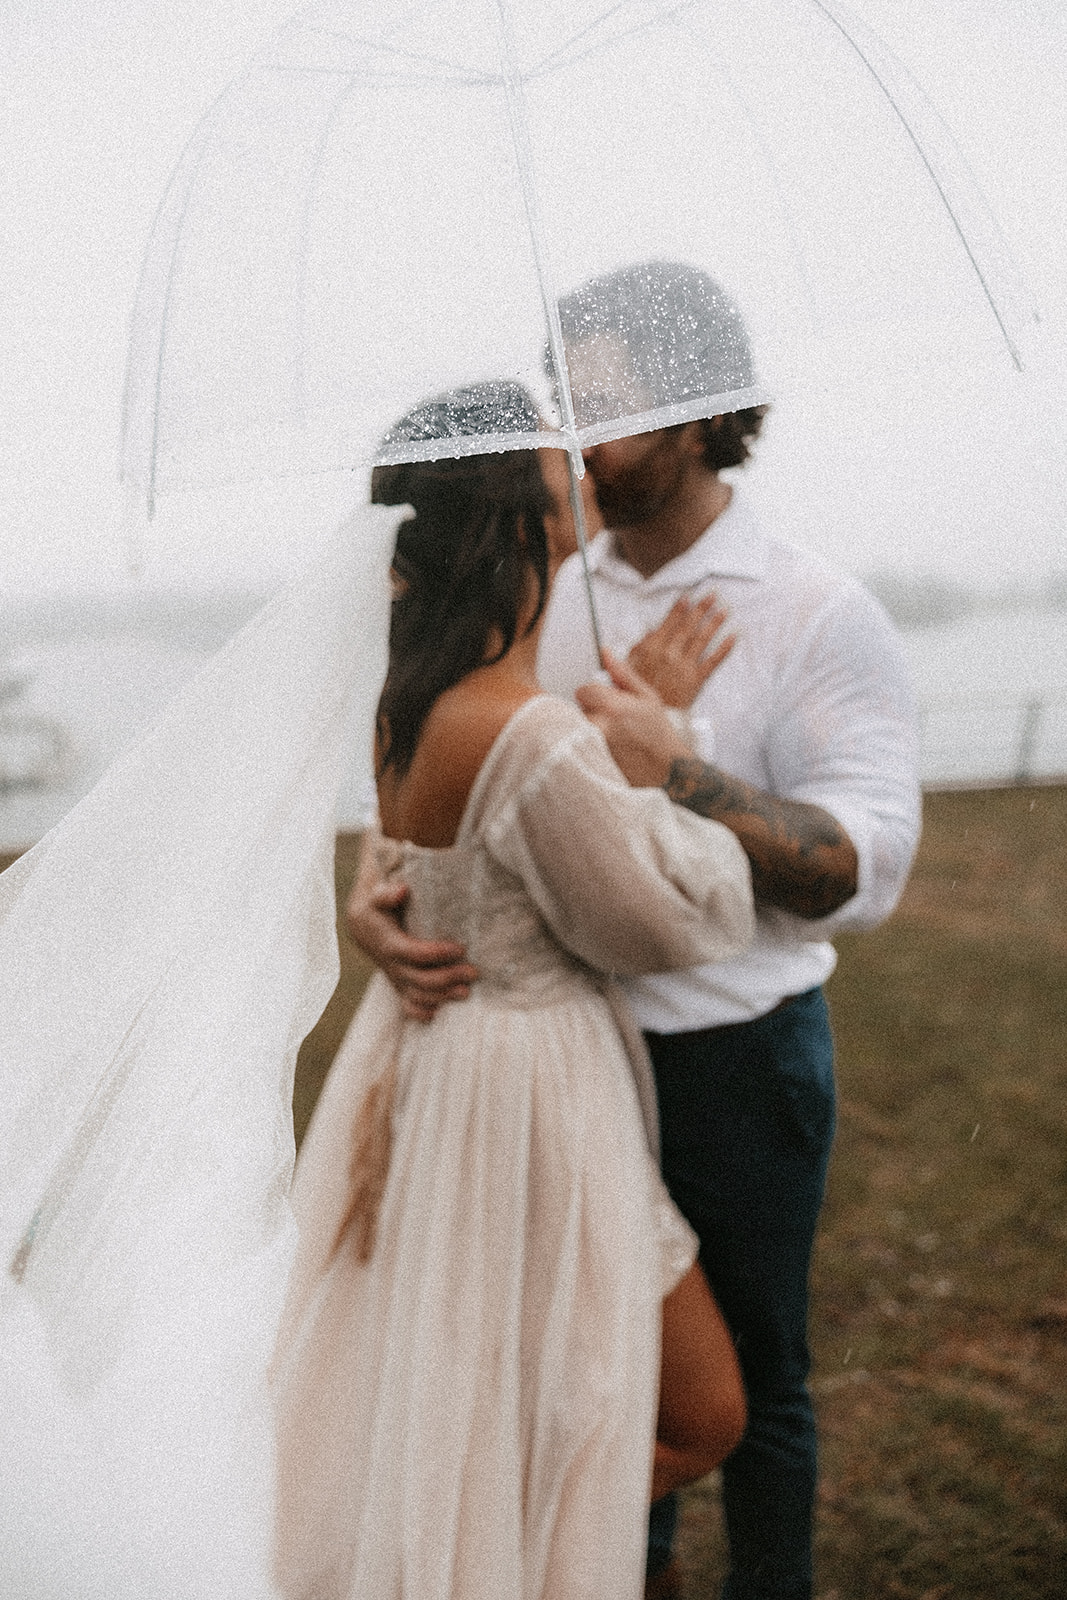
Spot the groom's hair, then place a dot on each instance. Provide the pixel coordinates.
(685, 340)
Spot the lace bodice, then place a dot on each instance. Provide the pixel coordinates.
(464, 894)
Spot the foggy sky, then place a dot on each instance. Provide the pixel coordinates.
(959, 469)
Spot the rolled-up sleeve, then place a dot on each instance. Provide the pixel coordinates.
(845, 737)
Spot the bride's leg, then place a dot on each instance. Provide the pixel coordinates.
(702, 1399)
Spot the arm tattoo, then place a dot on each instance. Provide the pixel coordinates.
(801, 859)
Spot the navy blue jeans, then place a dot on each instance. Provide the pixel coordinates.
(747, 1120)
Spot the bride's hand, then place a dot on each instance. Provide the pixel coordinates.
(677, 658)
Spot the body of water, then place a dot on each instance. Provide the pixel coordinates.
(992, 688)
(77, 686)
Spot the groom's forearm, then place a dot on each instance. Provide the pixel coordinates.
(802, 860)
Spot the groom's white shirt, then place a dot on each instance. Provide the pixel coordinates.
(814, 703)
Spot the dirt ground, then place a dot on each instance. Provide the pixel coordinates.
(939, 1292)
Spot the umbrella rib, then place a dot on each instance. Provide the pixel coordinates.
(786, 208)
(300, 376)
(565, 55)
(369, 75)
(559, 54)
(450, 68)
(199, 135)
(835, 15)
(524, 160)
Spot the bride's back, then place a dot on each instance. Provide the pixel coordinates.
(427, 803)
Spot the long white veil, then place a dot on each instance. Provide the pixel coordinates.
(163, 952)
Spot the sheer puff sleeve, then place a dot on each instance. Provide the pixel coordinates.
(627, 881)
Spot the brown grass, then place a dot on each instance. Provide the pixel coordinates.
(940, 1282)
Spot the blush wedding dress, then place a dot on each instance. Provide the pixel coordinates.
(470, 1412)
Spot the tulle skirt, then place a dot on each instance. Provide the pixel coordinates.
(470, 1414)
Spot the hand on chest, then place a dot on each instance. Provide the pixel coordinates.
(733, 709)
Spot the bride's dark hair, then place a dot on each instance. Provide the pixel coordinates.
(462, 562)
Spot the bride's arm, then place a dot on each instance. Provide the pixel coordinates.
(626, 880)
(801, 857)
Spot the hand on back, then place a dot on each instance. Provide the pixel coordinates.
(424, 972)
(427, 806)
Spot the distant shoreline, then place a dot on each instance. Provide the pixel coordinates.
(77, 687)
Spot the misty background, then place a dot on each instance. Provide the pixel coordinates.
(937, 475)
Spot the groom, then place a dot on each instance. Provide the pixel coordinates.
(803, 744)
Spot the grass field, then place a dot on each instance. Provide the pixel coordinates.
(940, 1285)
(940, 1282)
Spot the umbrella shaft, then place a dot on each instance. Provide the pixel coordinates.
(578, 512)
(520, 138)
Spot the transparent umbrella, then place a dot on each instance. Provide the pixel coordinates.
(395, 196)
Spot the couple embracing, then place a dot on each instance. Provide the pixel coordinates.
(498, 1330)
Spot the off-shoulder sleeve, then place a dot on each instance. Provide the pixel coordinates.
(626, 880)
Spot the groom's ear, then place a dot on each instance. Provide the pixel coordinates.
(693, 435)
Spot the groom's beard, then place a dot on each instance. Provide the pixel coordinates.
(641, 492)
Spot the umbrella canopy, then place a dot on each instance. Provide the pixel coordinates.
(398, 198)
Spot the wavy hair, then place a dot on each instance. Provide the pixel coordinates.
(463, 561)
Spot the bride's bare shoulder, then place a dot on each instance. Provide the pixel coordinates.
(427, 805)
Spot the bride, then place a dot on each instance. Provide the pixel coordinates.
(469, 1363)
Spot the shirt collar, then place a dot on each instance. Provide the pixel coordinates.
(732, 547)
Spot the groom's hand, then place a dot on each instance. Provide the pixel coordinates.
(640, 735)
(424, 972)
